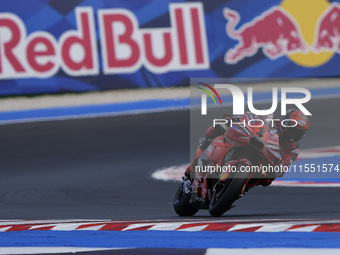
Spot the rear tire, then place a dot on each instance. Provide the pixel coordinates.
(182, 204)
(229, 193)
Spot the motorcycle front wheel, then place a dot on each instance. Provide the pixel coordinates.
(225, 194)
(182, 204)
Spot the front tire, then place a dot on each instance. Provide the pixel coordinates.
(224, 198)
(182, 204)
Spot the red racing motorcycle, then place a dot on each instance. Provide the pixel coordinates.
(232, 163)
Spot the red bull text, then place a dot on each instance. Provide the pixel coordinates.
(125, 47)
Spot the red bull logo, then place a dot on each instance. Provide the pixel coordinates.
(306, 31)
(328, 32)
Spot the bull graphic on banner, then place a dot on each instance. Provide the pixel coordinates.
(328, 33)
(277, 33)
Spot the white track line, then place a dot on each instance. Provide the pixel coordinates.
(47, 250)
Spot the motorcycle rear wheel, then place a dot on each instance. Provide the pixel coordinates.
(182, 204)
(223, 201)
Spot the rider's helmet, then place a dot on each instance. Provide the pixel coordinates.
(294, 130)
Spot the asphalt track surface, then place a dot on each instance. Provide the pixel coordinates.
(101, 168)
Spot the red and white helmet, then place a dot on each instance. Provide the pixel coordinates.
(294, 130)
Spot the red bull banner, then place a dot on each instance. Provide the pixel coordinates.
(51, 46)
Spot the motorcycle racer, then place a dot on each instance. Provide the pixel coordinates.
(296, 125)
